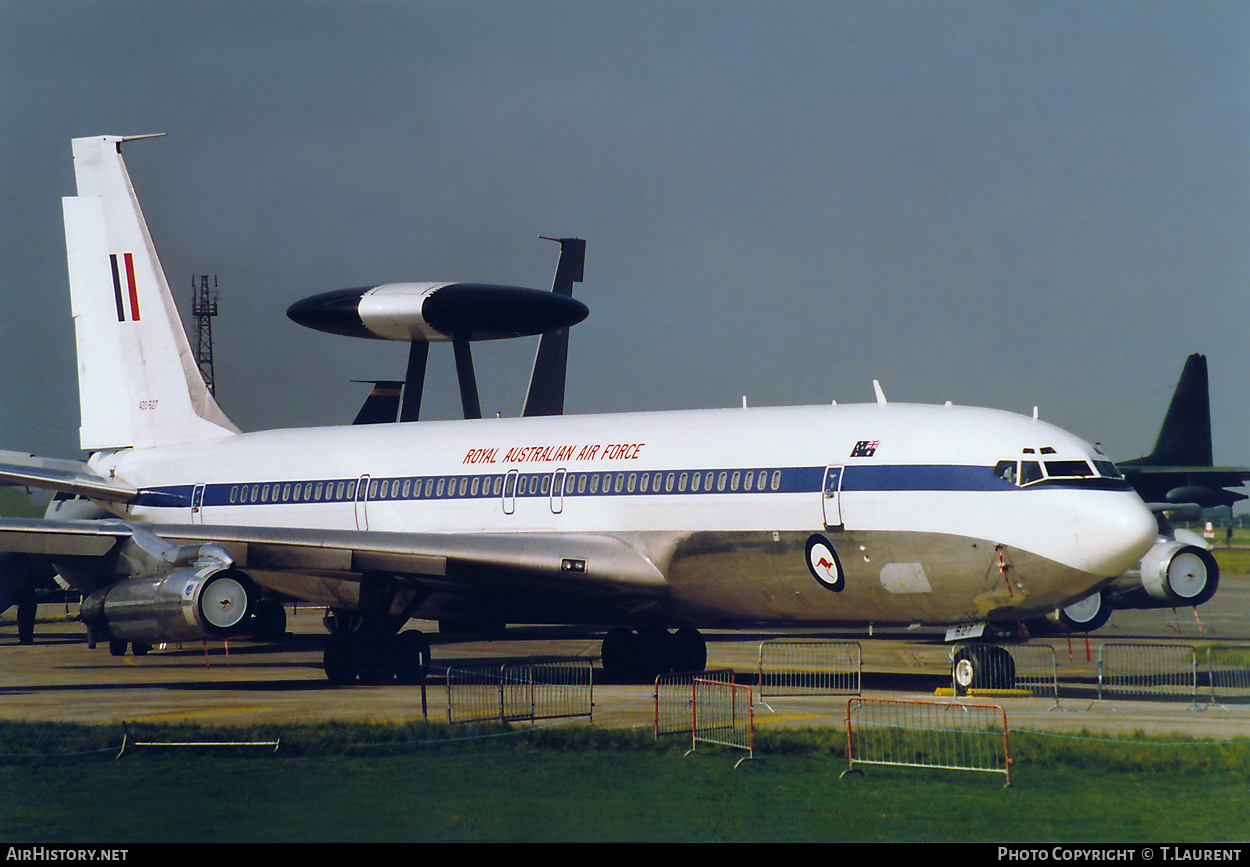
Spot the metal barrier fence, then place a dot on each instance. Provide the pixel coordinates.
(722, 713)
(1227, 669)
(674, 700)
(1148, 671)
(989, 667)
(788, 666)
(927, 734)
(517, 691)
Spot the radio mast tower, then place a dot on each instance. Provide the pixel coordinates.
(204, 308)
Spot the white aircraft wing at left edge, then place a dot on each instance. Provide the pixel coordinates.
(641, 523)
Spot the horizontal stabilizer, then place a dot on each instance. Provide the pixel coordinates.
(70, 477)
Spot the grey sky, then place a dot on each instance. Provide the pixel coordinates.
(998, 203)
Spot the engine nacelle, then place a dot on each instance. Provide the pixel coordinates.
(190, 604)
(1174, 573)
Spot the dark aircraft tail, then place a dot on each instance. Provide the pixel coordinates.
(382, 404)
(1185, 436)
(546, 391)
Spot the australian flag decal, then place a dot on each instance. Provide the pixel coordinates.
(865, 448)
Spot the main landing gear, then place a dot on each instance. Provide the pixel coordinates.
(646, 654)
(373, 652)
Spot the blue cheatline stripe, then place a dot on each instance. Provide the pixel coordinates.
(613, 483)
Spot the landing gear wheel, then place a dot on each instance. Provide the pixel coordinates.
(619, 655)
(117, 647)
(270, 621)
(655, 653)
(339, 661)
(1089, 614)
(689, 650)
(982, 668)
(411, 653)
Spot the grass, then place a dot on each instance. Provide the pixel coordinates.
(63, 784)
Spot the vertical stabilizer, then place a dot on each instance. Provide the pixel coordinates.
(546, 391)
(138, 383)
(1185, 435)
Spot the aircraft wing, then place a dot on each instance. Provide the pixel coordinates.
(73, 477)
(308, 563)
(1204, 485)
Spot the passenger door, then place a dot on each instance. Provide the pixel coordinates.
(831, 497)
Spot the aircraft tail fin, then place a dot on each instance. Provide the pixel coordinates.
(546, 390)
(382, 404)
(1185, 435)
(138, 382)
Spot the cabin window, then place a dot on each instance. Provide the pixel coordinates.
(776, 480)
(632, 481)
(734, 480)
(681, 483)
(645, 484)
(720, 481)
(668, 481)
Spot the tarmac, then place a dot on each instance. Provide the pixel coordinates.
(59, 678)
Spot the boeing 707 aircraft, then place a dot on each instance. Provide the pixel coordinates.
(642, 523)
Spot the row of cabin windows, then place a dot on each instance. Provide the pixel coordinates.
(526, 484)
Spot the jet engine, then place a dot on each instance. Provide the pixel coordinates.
(210, 599)
(1175, 572)
(1178, 571)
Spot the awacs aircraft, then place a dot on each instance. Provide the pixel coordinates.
(1177, 479)
(642, 522)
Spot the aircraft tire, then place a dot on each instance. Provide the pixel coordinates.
(1086, 615)
(411, 652)
(619, 654)
(117, 647)
(339, 660)
(270, 621)
(690, 650)
(982, 668)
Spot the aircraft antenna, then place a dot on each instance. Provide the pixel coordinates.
(204, 308)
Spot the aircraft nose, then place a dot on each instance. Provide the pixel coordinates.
(1114, 537)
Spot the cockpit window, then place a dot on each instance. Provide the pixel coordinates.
(1068, 469)
(1028, 472)
(1108, 469)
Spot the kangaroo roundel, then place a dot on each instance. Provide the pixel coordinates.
(823, 562)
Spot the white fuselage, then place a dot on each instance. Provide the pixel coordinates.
(724, 502)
